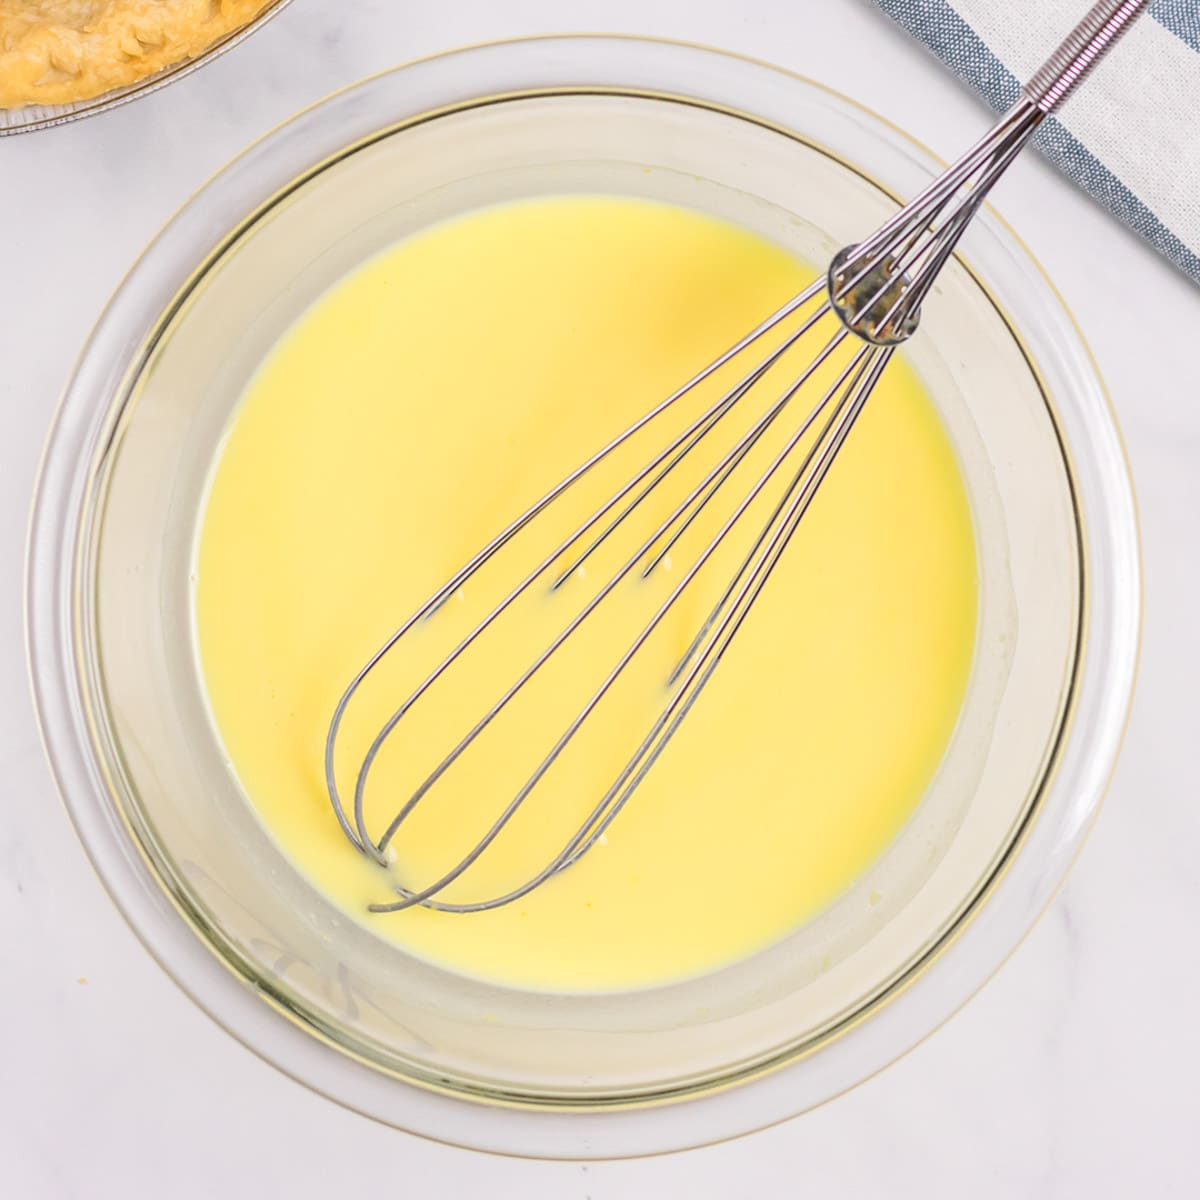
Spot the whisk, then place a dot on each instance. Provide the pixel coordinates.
(874, 289)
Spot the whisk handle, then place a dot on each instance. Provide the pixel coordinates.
(1080, 51)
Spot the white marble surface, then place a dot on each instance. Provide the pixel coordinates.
(1071, 1075)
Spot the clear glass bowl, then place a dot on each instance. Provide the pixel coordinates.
(156, 802)
(43, 116)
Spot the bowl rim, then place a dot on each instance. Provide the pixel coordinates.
(32, 117)
(979, 943)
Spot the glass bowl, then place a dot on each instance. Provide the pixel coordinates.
(42, 116)
(155, 801)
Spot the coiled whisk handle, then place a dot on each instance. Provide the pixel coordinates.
(1080, 51)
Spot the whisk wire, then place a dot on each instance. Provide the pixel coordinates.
(596, 821)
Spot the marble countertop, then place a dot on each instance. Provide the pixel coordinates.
(1070, 1075)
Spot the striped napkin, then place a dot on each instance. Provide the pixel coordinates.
(1130, 137)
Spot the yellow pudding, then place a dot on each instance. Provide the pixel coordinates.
(421, 404)
(61, 51)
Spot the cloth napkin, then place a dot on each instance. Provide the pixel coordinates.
(1130, 136)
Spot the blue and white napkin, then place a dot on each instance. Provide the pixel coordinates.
(1130, 137)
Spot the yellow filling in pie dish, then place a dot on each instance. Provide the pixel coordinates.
(62, 51)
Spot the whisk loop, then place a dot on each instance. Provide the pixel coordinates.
(871, 301)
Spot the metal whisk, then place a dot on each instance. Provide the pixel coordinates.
(875, 288)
